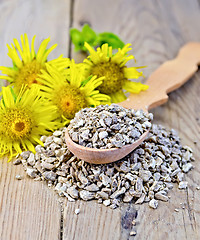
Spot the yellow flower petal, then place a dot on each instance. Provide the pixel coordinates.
(118, 96)
(44, 58)
(12, 53)
(23, 119)
(71, 92)
(7, 97)
(134, 87)
(42, 49)
(103, 63)
(27, 63)
(32, 48)
(132, 73)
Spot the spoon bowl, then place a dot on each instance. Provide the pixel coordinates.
(167, 78)
(100, 156)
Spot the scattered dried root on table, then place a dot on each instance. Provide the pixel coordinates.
(145, 175)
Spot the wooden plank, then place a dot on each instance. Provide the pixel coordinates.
(41, 18)
(28, 209)
(157, 30)
(93, 222)
(183, 107)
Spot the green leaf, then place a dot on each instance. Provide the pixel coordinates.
(77, 39)
(113, 40)
(88, 34)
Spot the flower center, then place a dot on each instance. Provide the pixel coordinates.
(114, 76)
(70, 100)
(19, 126)
(16, 124)
(28, 74)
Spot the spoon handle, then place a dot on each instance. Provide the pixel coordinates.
(168, 77)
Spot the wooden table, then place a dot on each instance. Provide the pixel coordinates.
(157, 29)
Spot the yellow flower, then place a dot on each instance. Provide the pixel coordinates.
(23, 119)
(26, 63)
(71, 93)
(103, 63)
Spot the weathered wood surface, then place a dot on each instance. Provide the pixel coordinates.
(28, 209)
(157, 29)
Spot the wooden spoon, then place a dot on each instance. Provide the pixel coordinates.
(168, 77)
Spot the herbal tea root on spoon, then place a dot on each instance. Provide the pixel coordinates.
(168, 77)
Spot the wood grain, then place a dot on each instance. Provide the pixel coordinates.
(93, 222)
(157, 30)
(28, 209)
(42, 18)
(168, 77)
